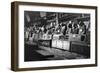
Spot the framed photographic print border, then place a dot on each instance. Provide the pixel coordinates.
(15, 34)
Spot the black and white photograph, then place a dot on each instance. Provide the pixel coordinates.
(56, 36)
(53, 36)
